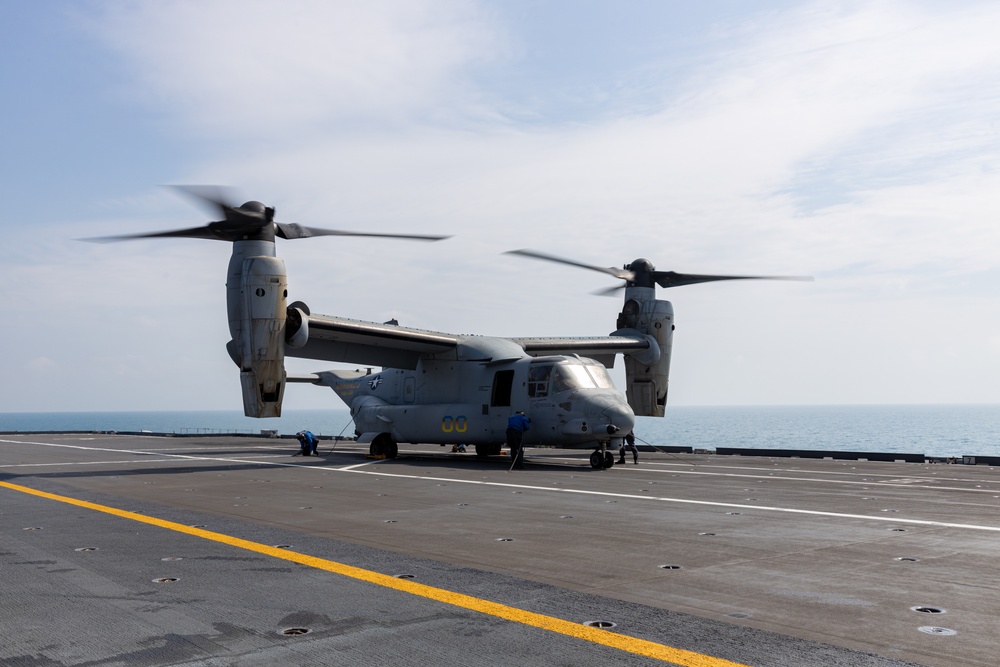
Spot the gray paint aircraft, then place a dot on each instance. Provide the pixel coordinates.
(437, 387)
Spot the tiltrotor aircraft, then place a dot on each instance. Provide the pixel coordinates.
(437, 387)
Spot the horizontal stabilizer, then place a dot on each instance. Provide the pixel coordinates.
(308, 378)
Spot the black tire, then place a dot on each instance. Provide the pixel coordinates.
(609, 460)
(596, 461)
(384, 445)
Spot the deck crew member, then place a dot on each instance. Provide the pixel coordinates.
(629, 443)
(517, 425)
(307, 443)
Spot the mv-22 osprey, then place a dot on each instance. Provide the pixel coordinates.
(437, 387)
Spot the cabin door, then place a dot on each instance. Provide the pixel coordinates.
(503, 383)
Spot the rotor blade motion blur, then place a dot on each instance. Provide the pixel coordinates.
(251, 220)
(674, 279)
(293, 231)
(642, 273)
(214, 198)
(611, 271)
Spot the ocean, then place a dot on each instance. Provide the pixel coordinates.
(933, 430)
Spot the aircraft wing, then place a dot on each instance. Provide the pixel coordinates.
(601, 348)
(341, 339)
(355, 341)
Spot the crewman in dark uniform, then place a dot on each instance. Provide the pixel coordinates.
(517, 425)
(629, 443)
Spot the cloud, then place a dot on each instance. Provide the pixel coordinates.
(41, 365)
(815, 140)
(854, 141)
(259, 70)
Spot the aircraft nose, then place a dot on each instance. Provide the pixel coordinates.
(616, 414)
(620, 415)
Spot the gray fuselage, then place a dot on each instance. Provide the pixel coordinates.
(570, 401)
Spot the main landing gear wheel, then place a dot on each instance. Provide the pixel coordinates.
(482, 451)
(384, 445)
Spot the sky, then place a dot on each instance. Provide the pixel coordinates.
(856, 142)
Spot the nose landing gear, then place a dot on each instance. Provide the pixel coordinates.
(602, 458)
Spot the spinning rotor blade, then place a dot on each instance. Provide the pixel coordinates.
(624, 274)
(215, 198)
(192, 233)
(293, 231)
(674, 279)
(251, 220)
(609, 291)
(240, 223)
(641, 273)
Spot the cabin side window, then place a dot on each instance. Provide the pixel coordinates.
(538, 380)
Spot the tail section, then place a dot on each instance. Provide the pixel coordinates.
(348, 385)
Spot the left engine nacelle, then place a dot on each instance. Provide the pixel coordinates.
(258, 344)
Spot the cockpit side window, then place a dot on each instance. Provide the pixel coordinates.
(538, 380)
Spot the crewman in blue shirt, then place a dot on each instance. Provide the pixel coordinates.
(517, 425)
(307, 441)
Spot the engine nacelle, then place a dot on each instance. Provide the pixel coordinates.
(646, 375)
(259, 335)
(297, 325)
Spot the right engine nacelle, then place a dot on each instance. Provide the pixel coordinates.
(646, 383)
(257, 322)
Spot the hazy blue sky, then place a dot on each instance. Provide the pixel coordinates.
(853, 141)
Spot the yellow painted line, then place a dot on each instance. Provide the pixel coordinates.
(557, 625)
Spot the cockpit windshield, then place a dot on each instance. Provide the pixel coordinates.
(571, 376)
(600, 375)
(566, 376)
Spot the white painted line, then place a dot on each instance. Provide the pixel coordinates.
(652, 465)
(186, 457)
(893, 480)
(866, 473)
(354, 469)
(78, 463)
(360, 465)
(766, 508)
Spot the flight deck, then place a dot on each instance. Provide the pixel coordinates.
(147, 550)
